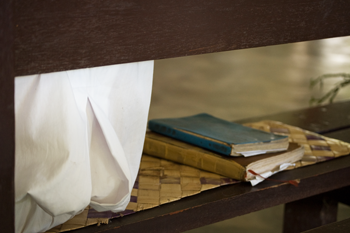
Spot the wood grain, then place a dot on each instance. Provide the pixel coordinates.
(337, 227)
(7, 124)
(55, 35)
(321, 210)
(319, 119)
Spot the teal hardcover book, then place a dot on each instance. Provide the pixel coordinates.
(218, 135)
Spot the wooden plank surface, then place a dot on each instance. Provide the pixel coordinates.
(337, 227)
(231, 201)
(342, 195)
(61, 35)
(234, 200)
(7, 124)
(320, 119)
(309, 213)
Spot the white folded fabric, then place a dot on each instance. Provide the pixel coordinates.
(79, 139)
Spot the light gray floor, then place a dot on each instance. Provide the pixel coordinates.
(247, 83)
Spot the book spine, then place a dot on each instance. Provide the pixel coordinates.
(190, 138)
(193, 158)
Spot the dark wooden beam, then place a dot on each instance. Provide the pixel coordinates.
(342, 195)
(318, 119)
(308, 213)
(337, 227)
(7, 123)
(58, 35)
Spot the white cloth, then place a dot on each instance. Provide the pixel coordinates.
(79, 139)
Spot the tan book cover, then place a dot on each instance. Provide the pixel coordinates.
(233, 167)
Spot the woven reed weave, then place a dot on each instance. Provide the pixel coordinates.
(160, 181)
(317, 147)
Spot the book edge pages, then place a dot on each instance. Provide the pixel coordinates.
(236, 149)
(272, 163)
(186, 153)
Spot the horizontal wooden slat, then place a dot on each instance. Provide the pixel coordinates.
(69, 34)
(337, 227)
(320, 119)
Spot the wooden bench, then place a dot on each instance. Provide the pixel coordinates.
(39, 36)
(312, 204)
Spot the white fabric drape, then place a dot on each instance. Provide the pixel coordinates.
(79, 139)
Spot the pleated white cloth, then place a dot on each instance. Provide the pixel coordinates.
(79, 139)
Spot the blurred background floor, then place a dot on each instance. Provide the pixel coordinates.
(248, 83)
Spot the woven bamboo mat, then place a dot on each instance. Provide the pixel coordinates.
(317, 147)
(160, 181)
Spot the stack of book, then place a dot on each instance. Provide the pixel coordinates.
(222, 147)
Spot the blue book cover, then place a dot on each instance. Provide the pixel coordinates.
(218, 135)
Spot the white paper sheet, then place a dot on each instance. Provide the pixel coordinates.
(259, 152)
(258, 179)
(79, 139)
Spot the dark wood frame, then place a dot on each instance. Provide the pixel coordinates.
(66, 34)
(7, 116)
(39, 36)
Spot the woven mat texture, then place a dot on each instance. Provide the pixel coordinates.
(160, 181)
(317, 147)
